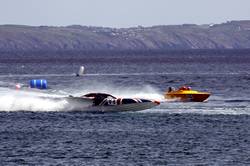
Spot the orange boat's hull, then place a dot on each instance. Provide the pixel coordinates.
(186, 96)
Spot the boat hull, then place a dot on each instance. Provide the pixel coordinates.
(187, 96)
(87, 105)
(121, 108)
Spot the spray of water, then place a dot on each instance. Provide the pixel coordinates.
(15, 100)
(19, 100)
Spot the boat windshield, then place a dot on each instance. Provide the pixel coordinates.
(98, 98)
(185, 88)
(99, 95)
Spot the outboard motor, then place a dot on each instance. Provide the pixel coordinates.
(38, 83)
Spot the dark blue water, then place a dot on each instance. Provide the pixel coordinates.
(44, 132)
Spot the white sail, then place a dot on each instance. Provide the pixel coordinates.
(81, 71)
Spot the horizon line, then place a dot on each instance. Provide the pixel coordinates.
(138, 26)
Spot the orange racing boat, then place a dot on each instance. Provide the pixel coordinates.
(186, 94)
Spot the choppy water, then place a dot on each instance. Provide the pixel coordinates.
(37, 131)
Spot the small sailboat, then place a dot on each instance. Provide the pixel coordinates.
(80, 72)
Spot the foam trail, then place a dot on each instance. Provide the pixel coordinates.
(12, 100)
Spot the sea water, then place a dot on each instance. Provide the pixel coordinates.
(38, 131)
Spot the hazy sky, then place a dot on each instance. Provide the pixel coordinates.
(121, 13)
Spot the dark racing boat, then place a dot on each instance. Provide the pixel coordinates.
(103, 102)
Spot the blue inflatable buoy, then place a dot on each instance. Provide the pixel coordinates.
(39, 84)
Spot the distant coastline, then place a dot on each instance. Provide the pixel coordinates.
(233, 35)
(111, 54)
